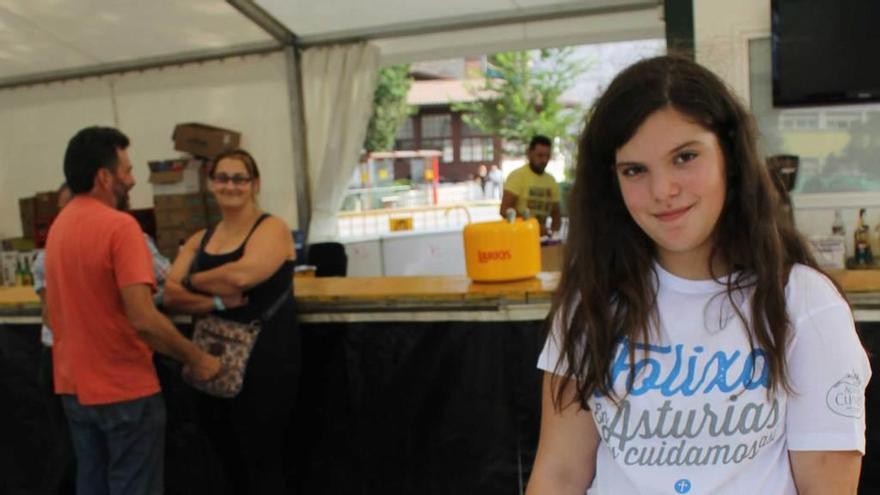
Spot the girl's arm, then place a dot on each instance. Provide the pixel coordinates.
(826, 472)
(566, 458)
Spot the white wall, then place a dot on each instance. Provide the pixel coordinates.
(722, 29)
(248, 94)
(35, 125)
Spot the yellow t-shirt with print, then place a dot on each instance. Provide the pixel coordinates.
(536, 192)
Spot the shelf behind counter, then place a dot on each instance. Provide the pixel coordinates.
(450, 298)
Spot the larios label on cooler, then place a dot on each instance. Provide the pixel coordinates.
(497, 255)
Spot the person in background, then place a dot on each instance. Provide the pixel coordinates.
(695, 345)
(244, 264)
(494, 182)
(99, 279)
(58, 474)
(530, 188)
(59, 458)
(483, 177)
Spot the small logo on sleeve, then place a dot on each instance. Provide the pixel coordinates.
(845, 398)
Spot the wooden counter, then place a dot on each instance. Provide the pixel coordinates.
(448, 293)
(355, 290)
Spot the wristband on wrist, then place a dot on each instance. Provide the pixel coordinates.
(218, 304)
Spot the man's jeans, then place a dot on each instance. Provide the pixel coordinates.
(120, 447)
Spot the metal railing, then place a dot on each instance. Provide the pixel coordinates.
(441, 217)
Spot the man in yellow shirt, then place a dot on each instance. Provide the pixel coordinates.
(529, 188)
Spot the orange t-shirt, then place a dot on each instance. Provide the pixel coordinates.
(92, 252)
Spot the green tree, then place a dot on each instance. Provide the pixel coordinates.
(521, 96)
(389, 107)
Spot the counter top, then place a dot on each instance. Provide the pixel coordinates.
(442, 293)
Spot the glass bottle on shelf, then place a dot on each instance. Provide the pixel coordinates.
(875, 239)
(28, 276)
(862, 242)
(19, 274)
(838, 227)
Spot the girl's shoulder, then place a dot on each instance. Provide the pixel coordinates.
(809, 290)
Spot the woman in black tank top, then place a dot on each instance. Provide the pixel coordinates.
(244, 264)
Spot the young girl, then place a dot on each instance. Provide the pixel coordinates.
(695, 346)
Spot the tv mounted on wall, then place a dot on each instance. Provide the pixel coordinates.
(825, 52)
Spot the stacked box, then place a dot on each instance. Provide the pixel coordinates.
(178, 216)
(178, 176)
(45, 211)
(178, 198)
(27, 211)
(182, 204)
(37, 213)
(212, 209)
(204, 140)
(17, 244)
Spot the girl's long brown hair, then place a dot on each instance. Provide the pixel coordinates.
(607, 291)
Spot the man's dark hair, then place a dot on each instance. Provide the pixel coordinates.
(88, 151)
(540, 139)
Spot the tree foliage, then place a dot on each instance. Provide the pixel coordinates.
(521, 96)
(389, 107)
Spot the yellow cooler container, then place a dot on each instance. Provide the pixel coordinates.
(501, 251)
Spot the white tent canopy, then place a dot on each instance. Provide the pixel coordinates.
(143, 66)
(60, 37)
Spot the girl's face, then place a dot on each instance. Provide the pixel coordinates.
(232, 184)
(672, 178)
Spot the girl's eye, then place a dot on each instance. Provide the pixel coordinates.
(632, 170)
(685, 156)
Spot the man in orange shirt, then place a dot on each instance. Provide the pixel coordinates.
(99, 281)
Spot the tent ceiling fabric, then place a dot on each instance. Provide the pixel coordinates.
(56, 35)
(46, 40)
(318, 22)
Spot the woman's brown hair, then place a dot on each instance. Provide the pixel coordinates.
(607, 292)
(238, 154)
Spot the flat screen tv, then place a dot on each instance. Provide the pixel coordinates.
(825, 52)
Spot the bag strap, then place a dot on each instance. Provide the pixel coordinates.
(253, 228)
(270, 312)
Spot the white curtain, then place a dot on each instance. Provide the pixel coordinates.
(338, 84)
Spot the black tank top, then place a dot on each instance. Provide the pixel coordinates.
(262, 295)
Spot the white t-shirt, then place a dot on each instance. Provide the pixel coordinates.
(696, 424)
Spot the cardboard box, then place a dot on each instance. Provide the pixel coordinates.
(168, 240)
(211, 206)
(179, 201)
(204, 140)
(17, 244)
(45, 206)
(27, 211)
(178, 176)
(212, 210)
(191, 220)
(179, 211)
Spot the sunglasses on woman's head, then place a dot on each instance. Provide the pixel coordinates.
(236, 179)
